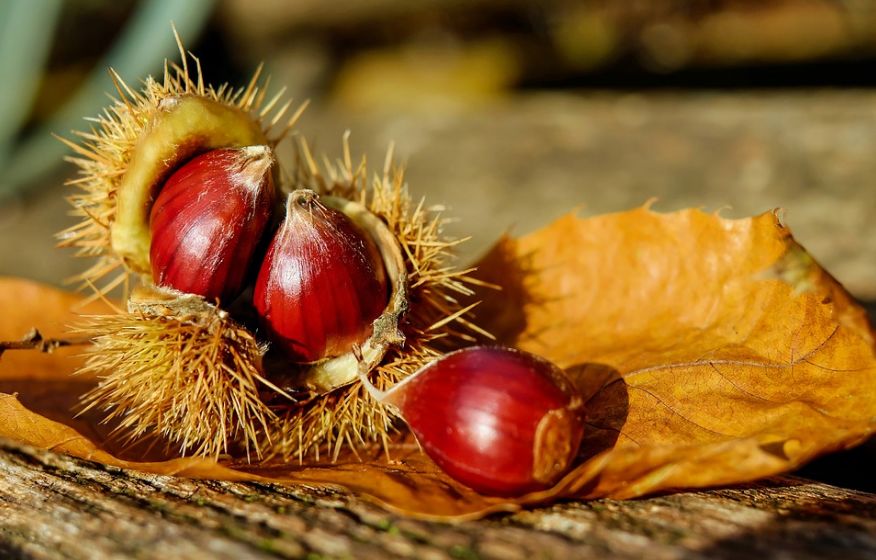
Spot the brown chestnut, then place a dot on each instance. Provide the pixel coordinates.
(208, 221)
(499, 420)
(322, 282)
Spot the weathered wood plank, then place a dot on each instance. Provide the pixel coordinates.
(53, 506)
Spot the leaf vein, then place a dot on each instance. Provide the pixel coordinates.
(679, 414)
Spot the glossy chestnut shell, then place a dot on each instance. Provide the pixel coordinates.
(208, 221)
(501, 421)
(322, 282)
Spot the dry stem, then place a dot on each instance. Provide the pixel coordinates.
(34, 340)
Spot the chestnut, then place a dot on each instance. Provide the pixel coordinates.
(322, 282)
(208, 221)
(501, 421)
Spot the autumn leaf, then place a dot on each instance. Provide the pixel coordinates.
(709, 351)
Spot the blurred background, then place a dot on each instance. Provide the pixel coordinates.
(509, 112)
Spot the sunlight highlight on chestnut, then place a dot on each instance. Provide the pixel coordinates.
(322, 282)
(501, 421)
(208, 221)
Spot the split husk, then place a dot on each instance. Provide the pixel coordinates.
(428, 313)
(147, 353)
(137, 141)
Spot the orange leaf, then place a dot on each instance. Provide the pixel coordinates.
(710, 352)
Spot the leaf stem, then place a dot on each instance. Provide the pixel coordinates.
(34, 340)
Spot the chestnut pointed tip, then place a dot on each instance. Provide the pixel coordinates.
(258, 150)
(257, 153)
(303, 197)
(255, 164)
(301, 202)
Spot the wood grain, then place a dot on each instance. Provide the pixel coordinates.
(52, 506)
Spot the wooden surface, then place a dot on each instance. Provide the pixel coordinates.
(53, 506)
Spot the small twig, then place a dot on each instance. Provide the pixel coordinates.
(35, 341)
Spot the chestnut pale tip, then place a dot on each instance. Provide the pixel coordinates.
(499, 420)
(255, 163)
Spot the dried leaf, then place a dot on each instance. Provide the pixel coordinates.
(710, 352)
